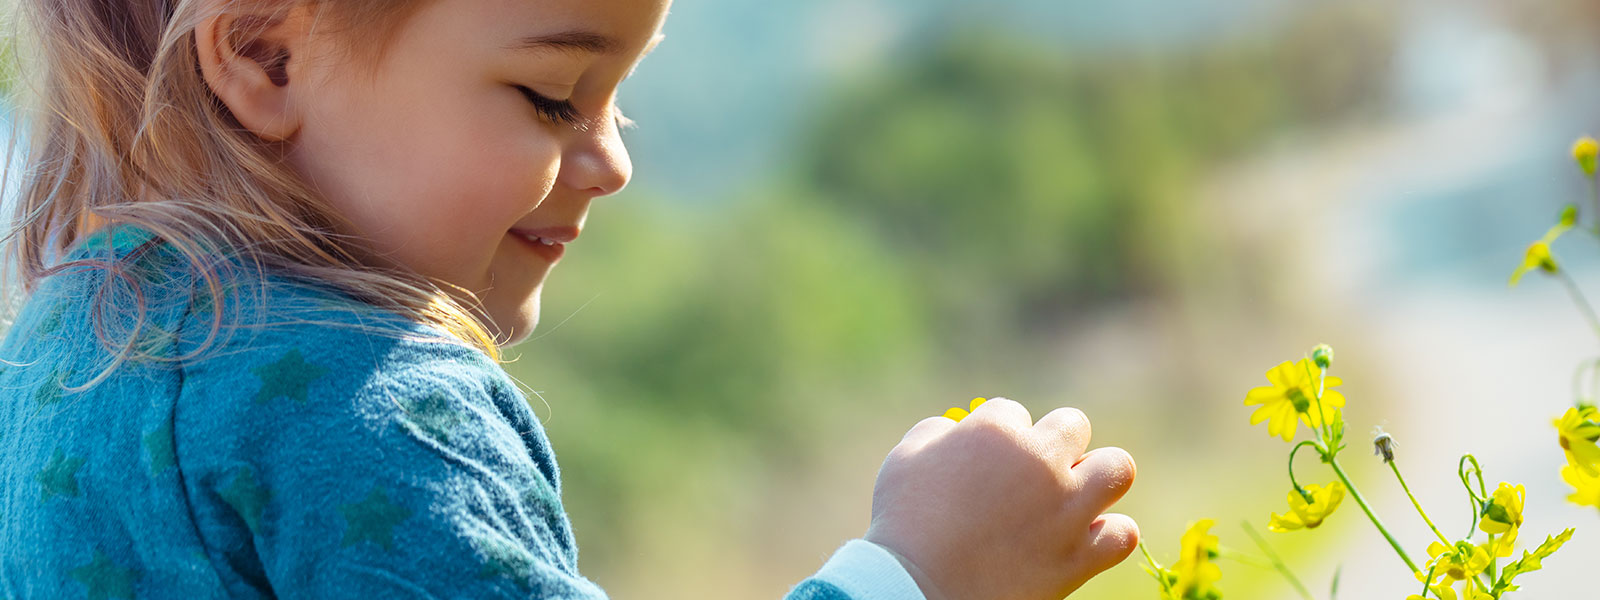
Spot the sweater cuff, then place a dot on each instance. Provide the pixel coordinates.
(867, 571)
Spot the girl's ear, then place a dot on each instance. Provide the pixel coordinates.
(247, 61)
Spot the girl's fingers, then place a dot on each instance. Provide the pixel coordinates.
(1004, 412)
(925, 431)
(1069, 428)
(1103, 475)
(1112, 537)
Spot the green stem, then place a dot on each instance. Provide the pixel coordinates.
(1429, 581)
(1356, 494)
(1277, 563)
(1579, 299)
(1322, 418)
(1591, 365)
(1292, 481)
(1594, 192)
(1160, 573)
(1417, 505)
(1472, 496)
(1243, 558)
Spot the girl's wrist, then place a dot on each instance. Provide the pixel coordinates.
(925, 583)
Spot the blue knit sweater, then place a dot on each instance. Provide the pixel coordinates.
(318, 447)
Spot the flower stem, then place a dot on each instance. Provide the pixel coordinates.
(1580, 300)
(1295, 482)
(1472, 496)
(1356, 494)
(1322, 418)
(1159, 573)
(1417, 505)
(1594, 191)
(1277, 563)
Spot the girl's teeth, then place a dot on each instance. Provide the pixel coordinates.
(546, 242)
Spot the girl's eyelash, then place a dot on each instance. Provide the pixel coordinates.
(557, 111)
(562, 111)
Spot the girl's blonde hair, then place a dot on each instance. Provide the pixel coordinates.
(124, 129)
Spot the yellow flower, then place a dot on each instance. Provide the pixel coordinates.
(1458, 562)
(1502, 517)
(1309, 515)
(1444, 592)
(1577, 431)
(1538, 254)
(1293, 391)
(1197, 574)
(1537, 257)
(1585, 151)
(1586, 488)
(958, 414)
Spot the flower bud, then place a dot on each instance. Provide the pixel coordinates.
(1569, 216)
(1383, 445)
(1322, 355)
(1585, 152)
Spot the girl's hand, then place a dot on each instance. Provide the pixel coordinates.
(996, 507)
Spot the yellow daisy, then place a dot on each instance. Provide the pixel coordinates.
(1308, 515)
(1586, 488)
(1457, 562)
(1197, 574)
(1502, 517)
(1293, 392)
(1577, 430)
(1585, 151)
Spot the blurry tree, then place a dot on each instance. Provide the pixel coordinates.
(1022, 185)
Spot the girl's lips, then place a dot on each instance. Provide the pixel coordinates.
(550, 252)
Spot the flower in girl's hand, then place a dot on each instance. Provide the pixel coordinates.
(1293, 392)
(958, 414)
(1577, 431)
(1308, 510)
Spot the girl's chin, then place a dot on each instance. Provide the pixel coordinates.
(519, 325)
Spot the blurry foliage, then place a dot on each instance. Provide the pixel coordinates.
(995, 165)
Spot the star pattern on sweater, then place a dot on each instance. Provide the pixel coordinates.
(504, 559)
(433, 415)
(158, 444)
(104, 579)
(372, 519)
(59, 476)
(52, 321)
(248, 497)
(541, 498)
(50, 391)
(289, 377)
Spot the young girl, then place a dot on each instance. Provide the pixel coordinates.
(269, 251)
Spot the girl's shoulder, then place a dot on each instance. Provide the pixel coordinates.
(250, 318)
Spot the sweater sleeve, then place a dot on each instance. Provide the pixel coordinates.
(321, 464)
(859, 570)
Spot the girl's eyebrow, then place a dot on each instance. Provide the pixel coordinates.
(568, 41)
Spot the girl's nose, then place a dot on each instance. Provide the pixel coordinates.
(599, 164)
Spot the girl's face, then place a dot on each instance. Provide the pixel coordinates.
(484, 119)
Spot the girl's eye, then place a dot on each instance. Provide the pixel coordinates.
(556, 111)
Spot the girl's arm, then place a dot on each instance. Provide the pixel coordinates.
(325, 463)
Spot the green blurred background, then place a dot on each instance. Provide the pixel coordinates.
(848, 215)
